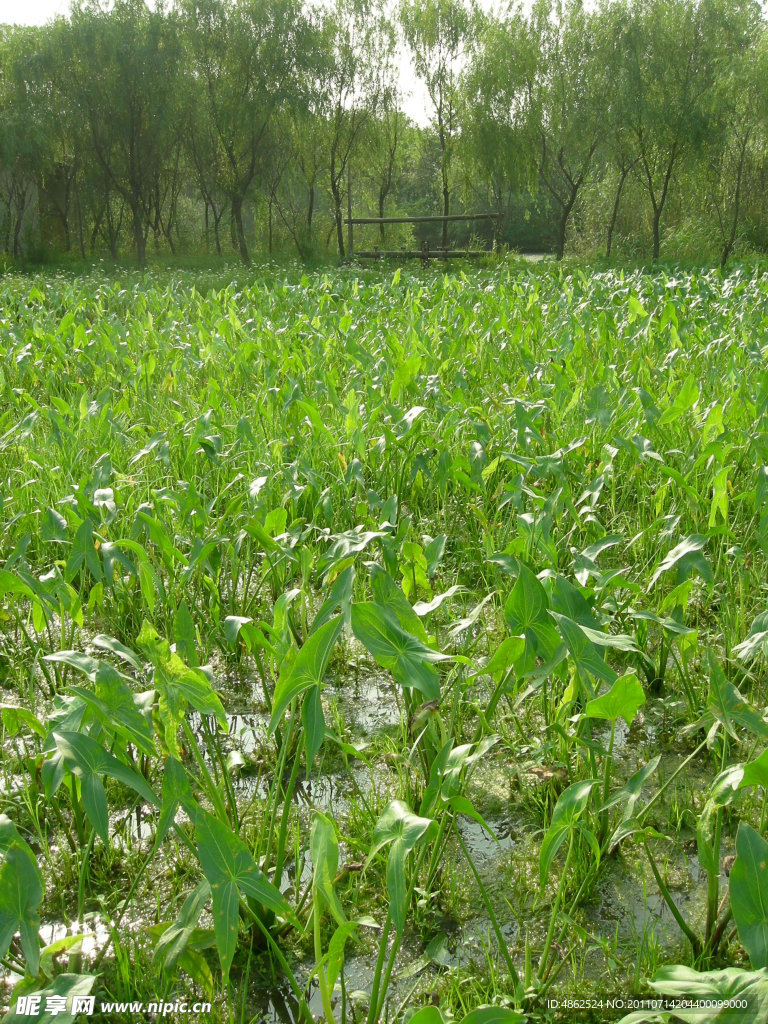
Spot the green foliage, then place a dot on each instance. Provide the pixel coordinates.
(400, 829)
(718, 987)
(21, 891)
(568, 810)
(315, 585)
(232, 875)
(623, 700)
(749, 894)
(407, 658)
(637, 127)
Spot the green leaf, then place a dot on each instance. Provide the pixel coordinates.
(83, 553)
(494, 1015)
(15, 718)
(434, 552)
(749, 893)
(339, 596)
(184, 634)
(427, 1015)
(756, 772)
(178, 685)
(335, 955)
(49, 956)
(113, 703)
(686, 397)
(88, 760)
(729, 707)
(635, 307)
(423, 608)
(176, 792)
(586, 655)
(570, 806)
(65, 985)
(505, 656)
(21, 892)
(402, 828)
(622, 701)
(406, 657)
(174, 939)
(324, 849)
(82, 662)
(718, 987)
(313, 720)
(113, 556)
(633, 827)
(307, 669)
(387, 594)
(685, 557)
(108, 643)
(526, 613)
(633, 788)
(756, 641)
(232, 626)
(232, 873)
(404, 426)
(722, 792)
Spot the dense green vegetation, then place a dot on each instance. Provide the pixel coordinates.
(367, 640)
(634, 129)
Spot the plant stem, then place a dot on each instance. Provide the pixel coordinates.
(542, 971)
(494, 920)
(322, 976)
(606, 786)
(287, 802)
(641, 814)
(372, 1009)
(211, 789)
(689, 934)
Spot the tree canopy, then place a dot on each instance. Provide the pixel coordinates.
(633, 128)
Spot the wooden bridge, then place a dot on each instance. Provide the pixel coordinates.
(426, 252)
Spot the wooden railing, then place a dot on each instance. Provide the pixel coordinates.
(426, 252)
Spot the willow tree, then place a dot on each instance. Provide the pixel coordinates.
(567, 101)
(665, 78)
(24, 134)
(438, 34)
(737, 111)
(497, 144)
(122, 70)
(244, 55)
(353, 37)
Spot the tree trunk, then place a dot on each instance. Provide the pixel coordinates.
(18, 249)
(94, 232)
(656, 220)
(560, 244)
(9, 226)
(79, 222)
(382, 199)
(139, 238)
(562, 226)
(736, 204)
(216, 236)
(615, 211)
(336, 191)
(446, 210)
(659, 203)
(237, 215)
